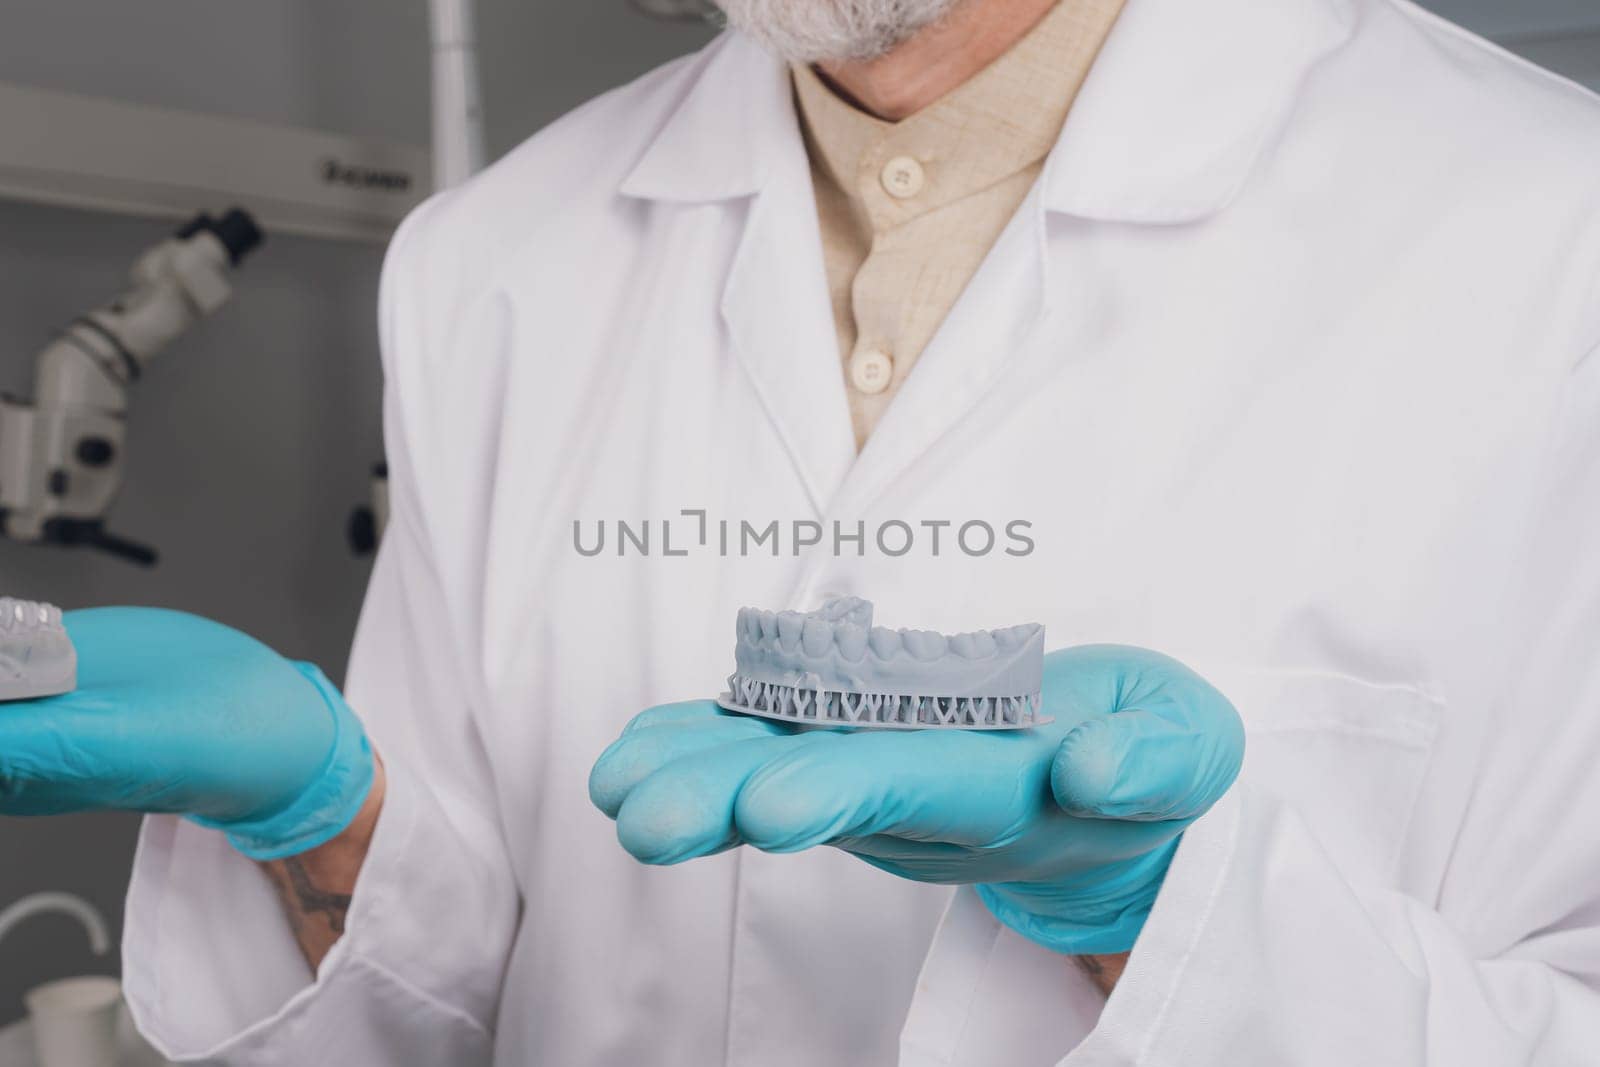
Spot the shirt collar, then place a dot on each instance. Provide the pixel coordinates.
(840, 137)
(1002, 120)
(1181, 103)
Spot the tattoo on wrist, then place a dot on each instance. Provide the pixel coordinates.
(306, 899)
(1104, 971)
(316, 887)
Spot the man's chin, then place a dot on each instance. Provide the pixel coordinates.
(833, 31)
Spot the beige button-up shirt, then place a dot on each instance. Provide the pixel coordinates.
(909, 209)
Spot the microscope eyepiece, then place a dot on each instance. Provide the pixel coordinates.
(238, 233)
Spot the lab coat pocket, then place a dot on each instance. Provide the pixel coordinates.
(1349, 755)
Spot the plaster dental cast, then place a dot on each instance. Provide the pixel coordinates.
(36, 656)
(1278, 325)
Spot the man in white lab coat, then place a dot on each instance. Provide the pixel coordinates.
(1261, 334)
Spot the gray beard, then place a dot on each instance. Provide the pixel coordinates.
(813, 31)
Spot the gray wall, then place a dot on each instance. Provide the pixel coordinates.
(252, 438)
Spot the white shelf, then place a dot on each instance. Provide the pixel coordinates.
(90, 152)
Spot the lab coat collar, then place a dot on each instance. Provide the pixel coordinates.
(1180, 105)
(1182, 102)
(720, 142)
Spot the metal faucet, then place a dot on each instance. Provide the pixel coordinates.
(94, 924)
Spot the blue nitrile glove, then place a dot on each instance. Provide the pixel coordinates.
(177, 714)
(1066, 830)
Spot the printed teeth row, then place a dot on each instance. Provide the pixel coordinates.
(792, 630)
(18, 615)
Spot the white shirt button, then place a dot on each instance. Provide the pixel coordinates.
(870, 370)
(903, 177)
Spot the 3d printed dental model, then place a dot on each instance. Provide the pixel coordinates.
(36, 655)
(832, 666)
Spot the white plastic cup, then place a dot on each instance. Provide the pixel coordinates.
(75, 1021)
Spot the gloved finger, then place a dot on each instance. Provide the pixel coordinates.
(28, 745)
(60, 755)
(685, 810)
(687, 710)
(1147, 765)
(644, 749)
(956, 786)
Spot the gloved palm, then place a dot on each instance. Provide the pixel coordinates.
(1066, 829)
(174, 713)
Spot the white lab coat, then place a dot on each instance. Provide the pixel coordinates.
(1284, 362)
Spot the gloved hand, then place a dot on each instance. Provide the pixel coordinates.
(174, 713)
(1066, 830)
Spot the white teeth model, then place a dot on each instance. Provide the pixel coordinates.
(833, 667)
(36, 655)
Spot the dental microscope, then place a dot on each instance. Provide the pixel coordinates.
(61, 454)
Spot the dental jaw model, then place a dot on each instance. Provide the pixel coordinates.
(36, 655)
(833, 667)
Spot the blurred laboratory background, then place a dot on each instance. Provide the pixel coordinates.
(250, 440)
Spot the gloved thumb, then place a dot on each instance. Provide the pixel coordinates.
(1146, 765)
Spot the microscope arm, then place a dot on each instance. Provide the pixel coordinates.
(61, 454)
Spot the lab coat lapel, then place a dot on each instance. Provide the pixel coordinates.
(780, 321)
(734, 140)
